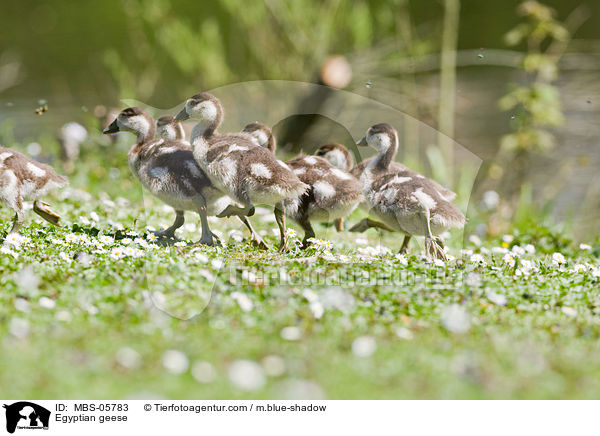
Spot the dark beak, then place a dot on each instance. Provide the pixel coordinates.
(113, 128)
(182, 116)
(363, 141)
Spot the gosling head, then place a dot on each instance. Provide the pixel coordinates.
(262, 135)
(168, 128)
(205, 108)
(134, 120)
(382, 137)
(337, 155)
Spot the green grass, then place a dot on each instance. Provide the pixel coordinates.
(364, 323)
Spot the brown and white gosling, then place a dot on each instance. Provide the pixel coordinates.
(169, 129)
(403, 200)
(246, 172)
(333, 193)
(24, 179)
(167, 169)
(340, 156)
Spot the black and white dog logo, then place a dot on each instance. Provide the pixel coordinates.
(26, 415)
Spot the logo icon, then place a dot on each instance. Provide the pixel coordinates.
(26, 415)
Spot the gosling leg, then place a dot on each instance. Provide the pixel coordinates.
(368, 223)
(280, 218)
(255, 238)
(170, 232)
(208, 237)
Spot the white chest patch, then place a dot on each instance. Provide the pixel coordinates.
(260, 170)
(341, 174)
(227, 168)
(35, 170)
(192, 167)
(159, 172)
(323, 189)
(310, 160)
(423, 198)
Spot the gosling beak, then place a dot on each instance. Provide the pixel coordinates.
(363, 141)
(182, 116)
(113, 128)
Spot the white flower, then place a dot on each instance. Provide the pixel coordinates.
(402, 259)
(344, 258)
(129, 251)
(596, 272)
(13, 239)
(22, 305)
(274, 365)
(477, 258)
(19, 327)
(5, 250)
(579, 268)
(180, 244)
(529, 248)
(291, 333)
(117, 253)
(499, 250)
(202, 257)
(404, 333)
(63, 256)
(583, 246)
(126, 241)
(440, 262)
(558, 258)
(497, 299)
(317, 309)
(47, 303)
(474, 239)
(243, 301)
(175, 361)
(518, 251)
(455, 319)
(292, 233)
(94, 216)
(310, 295)
(364, 346)
(151, 237)
(247, 375)
(141, 242)
(508, 238)
(569, 311)
(216, 263)
(466, 252)
(490, 199)
(71, 238)
(203, 372)
(526, 265)
(106, 240)
(509, 259)
(84, 220)
(128, 358)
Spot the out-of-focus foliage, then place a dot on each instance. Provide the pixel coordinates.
(535, 106)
